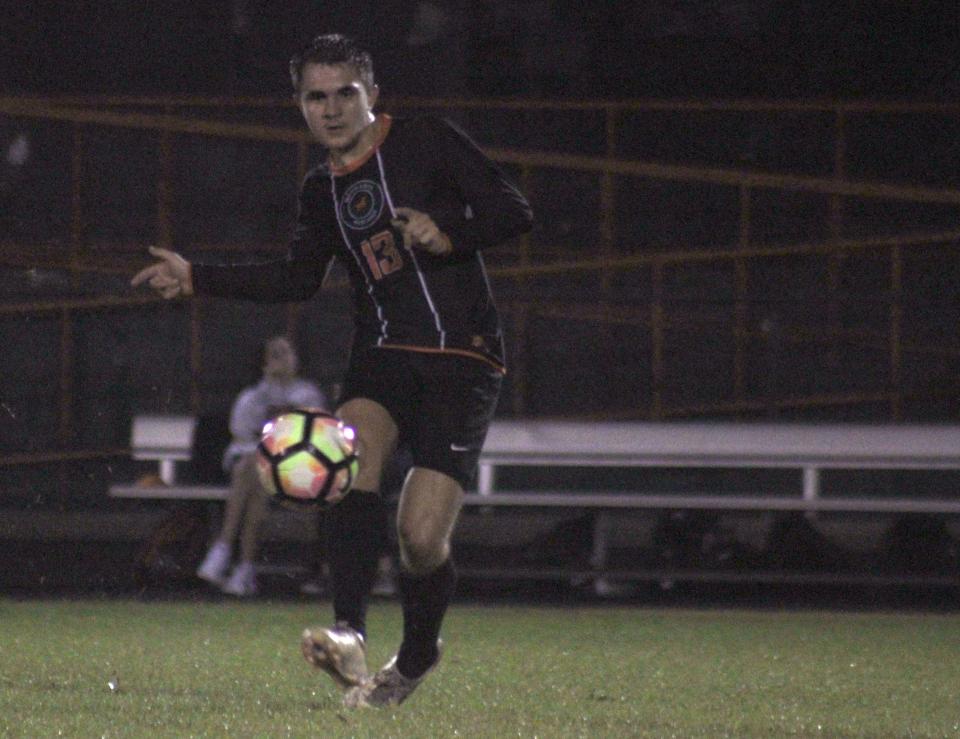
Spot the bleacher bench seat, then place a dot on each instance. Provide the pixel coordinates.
(807, 448)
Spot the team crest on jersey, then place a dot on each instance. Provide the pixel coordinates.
(361, 204)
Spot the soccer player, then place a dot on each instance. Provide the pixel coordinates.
(407, 204)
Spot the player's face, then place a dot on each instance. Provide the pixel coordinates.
(338, 108)
(280, 360)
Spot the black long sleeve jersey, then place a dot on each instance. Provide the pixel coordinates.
(404, 298)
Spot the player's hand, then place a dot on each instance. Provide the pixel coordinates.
(419, 229)
(171, 276)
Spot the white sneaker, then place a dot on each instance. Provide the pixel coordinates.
(385, 585)
(313, 586)
(213, 569)
(242, 582)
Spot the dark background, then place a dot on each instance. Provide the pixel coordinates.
(806, 343)
(662, 48)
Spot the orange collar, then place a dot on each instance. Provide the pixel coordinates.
(385, 121)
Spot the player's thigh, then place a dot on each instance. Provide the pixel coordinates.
(447, 432)
(429, 505)
(376, 439)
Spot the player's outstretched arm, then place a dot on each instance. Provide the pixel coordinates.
(171, 275)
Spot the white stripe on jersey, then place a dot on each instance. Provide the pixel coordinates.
(413, 257)
(346, 240)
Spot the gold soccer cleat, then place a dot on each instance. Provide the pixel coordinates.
(339, 651)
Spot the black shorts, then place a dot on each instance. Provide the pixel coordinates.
(441, 403)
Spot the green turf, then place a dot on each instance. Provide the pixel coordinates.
(172, 669)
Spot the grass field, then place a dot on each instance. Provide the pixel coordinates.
(124, 668)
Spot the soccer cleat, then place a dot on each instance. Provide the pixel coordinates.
(388, 687)
(340, 651)
(213, 569)
(242, 582)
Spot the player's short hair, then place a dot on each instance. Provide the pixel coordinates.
(332, 48)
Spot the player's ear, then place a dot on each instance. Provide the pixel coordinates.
(372, 94)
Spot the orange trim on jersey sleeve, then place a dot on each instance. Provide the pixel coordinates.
(459, 352)
(385, 122)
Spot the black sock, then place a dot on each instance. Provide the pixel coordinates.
(425, 600)
(355, 537)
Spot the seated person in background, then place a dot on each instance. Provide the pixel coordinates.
(279, 390)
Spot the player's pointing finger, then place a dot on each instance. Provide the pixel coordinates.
(161, 253)
(170, 275)
(145, 274)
